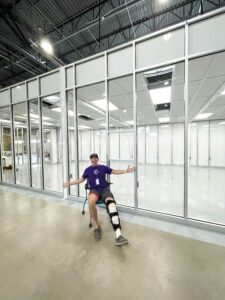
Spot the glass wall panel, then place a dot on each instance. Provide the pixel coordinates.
(21, 143)
(35, 144)
(91, 109)
(121, 137)
(160, 121)
(6, 146)
(71, 139)
(52, 158)
(207, 138)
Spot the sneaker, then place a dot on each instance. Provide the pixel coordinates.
(97, 233)
(121, 241)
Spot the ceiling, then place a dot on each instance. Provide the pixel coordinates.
(206, 95)
(78, 29)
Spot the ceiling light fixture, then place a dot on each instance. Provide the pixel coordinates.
(161, 95)
(164, 120)
(46, 46)
(203, 116)
(101, 103)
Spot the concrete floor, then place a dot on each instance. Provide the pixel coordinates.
(48, 252)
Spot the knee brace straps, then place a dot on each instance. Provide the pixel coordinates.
(113, 214)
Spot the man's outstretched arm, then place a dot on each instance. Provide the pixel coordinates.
(128, 170)
(72, 182)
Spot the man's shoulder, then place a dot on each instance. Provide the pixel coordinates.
(88, 168)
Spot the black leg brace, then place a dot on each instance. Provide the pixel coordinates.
(113, 214)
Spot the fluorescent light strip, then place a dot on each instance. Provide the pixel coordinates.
(58, 109)
(164, 120)
(84, 127)
(101, 103)
(203, 116)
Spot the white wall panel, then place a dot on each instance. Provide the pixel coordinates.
(178, 144)
(97, 142)
(126, 146)
(202, 35)
(19, 93)
(72, 144)
(193, 144)
(165, 144)
(120, 62)
(114, 145)
(32, 89)
(4, 97)
(50, 84)
(160, 49)
(217, 143)
(203, 143)
(102, 145)
(151, 144)
(90, 71)
(141, 144)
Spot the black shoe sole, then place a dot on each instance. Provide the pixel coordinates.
(121, 244)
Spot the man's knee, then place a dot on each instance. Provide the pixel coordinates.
(111, 205)
(92, 199)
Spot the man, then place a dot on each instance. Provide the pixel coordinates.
(99, 188)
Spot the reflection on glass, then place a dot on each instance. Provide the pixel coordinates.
(91, 108)
(35, 144)
(160, 121)
(21, 143)
(121, 137)
(52, 158)
(207, 138)
(71, 139)
(6, 147)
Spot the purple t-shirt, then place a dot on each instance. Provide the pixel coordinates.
(96, 176)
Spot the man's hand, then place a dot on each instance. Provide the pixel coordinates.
(130, 170)
(66, 184)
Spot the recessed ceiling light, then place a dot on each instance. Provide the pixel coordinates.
(83, 127)
(19, 117)
(52, 98)
(130, 122)
(166, 82)
(5, 121)
(46, 123)
(101, 103)
(222, 123)
(58, 109)
(223, 92)
(164, 120)
(161, 95)
(46, 46)
(37, 117)
(18, 87)
(104, 125)
(124, 110)
(203, 116)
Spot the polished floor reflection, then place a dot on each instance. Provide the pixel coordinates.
(48, 252)
(161, 188)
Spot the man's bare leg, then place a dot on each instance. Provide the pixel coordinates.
(92, 199)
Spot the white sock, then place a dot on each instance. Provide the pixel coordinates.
(118, 233)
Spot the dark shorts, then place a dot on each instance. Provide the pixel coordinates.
(103, 194)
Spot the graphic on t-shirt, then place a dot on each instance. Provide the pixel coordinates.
(96, 172)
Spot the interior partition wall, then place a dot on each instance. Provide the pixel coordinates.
(156, 103)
